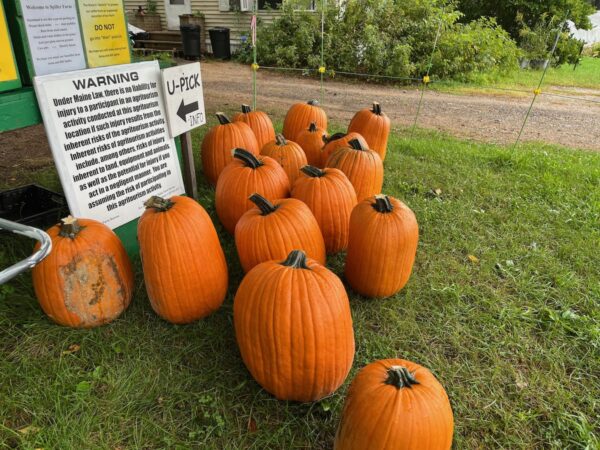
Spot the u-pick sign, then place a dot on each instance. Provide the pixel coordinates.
(184, 98)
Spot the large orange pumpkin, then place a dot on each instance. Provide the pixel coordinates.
(300, 116)
(312, 141)
(272, 230)
(184, 265)
(330, 196)
(382, 246)
(394, 404)
(374, 126)
(86, 280)
(339, 140)
(220, 141)
(362, 166)
(287, 153)
(243, 176)
(260, 123)
(294, 328)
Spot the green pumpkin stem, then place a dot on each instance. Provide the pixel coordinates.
(296, 260)
(265, 206)
(223, 119)
(158, 203)
(248, 158)
(312, 171)
(376, 108)
(333, 137)
(313, 102)
(382, 204)
(399, 377)
(312, 127)
(246, 109)
(69, 227)
(356, 145)
(280, 140)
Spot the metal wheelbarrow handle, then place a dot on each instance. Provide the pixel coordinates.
(33, 260)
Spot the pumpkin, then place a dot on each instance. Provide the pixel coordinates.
(272, 230)
(184, 265)
(300, 116)
(330, 197)
(312, 141)
(395, 404)
(242, 177)
(294, 328)
(381, 247)
(339, 140)
(374, 126)
(362, 166)
(287, 153)
(86, 280)
(220, 140)
(259, 122)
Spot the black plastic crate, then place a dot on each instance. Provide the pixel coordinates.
(33, 205)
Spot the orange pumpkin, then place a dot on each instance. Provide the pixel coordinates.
(294, 329)
(374, 126)
(362, 166)
(259, 122)
(339, 140)
(272, 230)
(287, 153)
(312, 141)
(86, 280)
(382, 246)
(242, 177)
(220, 140)
(395, 404)
(300, 116)
(184, 265)
(330, 196)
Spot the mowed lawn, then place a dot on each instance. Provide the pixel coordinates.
(503, 307)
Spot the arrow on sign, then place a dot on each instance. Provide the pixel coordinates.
(184, 109)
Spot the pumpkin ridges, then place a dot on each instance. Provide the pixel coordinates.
(374, 127)
(259, 122)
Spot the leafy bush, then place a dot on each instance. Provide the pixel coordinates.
(384, 37)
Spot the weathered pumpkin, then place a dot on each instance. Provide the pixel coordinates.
(184, 265)
(339, 140)
(382, 245)
(394, 404)
(294, 328)
(330, 196)
(259, 122)
(272, 230)
(242, 177)
(312, 141)
(220, 140)
(362, 166)
(300, 116)
(374, 125)
(287, 153)
(86, 280)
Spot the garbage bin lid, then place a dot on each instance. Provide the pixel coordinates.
(189, 27)
(221, 29)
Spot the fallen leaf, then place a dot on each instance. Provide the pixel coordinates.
(72, 349)
(29, 429)
(474, 259)
(251, 425)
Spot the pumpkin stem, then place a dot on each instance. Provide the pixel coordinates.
(312, 171)
(265, 206)
(296, 260)
(312, 127)
(69, 227)
(280, 140)
(158, 203)
(313, 102)
(333, 137)
(248, 158)
(376, 108)
(400, 377)
(246, 109)
(382, 204)
(356, 145)
(223, 119)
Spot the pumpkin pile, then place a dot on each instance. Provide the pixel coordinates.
(288, 199)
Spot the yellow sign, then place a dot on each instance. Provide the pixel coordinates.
(8, 71)
(104, 32)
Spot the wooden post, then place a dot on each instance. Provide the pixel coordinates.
(189, 171)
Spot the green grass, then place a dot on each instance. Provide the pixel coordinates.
(514, 337)
(587, 75)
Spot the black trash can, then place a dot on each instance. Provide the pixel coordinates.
(219, 41)
(190, 38)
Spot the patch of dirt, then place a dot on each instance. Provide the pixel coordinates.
(481, 117)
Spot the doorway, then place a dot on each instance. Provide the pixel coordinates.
(173, 9)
